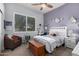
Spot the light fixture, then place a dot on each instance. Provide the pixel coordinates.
(43, 5)
(1, 11)
(45, 27)
(73, 20)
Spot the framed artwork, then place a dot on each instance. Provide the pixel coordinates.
(30, 23)
(1, 11)
(57, 20)
(7, 23)
(73, 19)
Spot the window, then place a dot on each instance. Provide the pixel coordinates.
(20, 22)
(30, 24)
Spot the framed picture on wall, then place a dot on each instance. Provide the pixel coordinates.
(30, 23)
(7, 24)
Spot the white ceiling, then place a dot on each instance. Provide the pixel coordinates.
(45, 10)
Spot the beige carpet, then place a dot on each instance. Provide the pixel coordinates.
(24, 51)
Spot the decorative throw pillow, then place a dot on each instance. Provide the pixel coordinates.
(54, 34)
(10, 36)
(14, 37)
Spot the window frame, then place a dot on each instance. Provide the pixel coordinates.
(13, 24)
(34, 24)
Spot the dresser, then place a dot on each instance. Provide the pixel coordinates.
(70, 42)
(36, 48)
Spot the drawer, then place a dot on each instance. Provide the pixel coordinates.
(73, 41)
(70, 45)
(70, 41)
(67, 44)
(73, 44)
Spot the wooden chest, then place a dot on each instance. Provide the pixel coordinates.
(36, 48)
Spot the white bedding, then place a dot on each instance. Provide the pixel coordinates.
(50, 42)
(59, 40)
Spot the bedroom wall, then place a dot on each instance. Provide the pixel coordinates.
(65, 11)
(10, 8)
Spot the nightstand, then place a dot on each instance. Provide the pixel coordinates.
(70, 42)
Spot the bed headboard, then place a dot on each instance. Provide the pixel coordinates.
(62, 31)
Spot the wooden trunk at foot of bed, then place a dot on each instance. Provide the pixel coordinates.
(37, 48)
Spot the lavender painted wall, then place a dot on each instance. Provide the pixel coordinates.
(65, 11)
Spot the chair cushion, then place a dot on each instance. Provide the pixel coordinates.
(14, 37)
(10, 36)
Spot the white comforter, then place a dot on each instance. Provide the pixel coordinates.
(59, 40)
(50, 42)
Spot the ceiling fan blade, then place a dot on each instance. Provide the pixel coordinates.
(48, 5)
(1, 11)
(36, 4)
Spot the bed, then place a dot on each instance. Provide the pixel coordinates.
(54, 39)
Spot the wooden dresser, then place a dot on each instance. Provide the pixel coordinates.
(36, 48)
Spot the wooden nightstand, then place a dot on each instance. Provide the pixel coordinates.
(70, 42)
(36, 48)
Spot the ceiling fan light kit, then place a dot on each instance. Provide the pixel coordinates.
(43, 5)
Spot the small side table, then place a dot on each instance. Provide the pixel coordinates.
(70, 42)
(27, 38)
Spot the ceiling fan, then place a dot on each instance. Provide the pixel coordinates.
(43, 5)
(1, 11)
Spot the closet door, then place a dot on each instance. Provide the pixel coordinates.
(0, 30)
(1, 27)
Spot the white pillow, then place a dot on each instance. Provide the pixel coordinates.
(10, 36)
(53, 33)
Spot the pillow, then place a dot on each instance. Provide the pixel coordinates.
(14, 37)
(53, 34)
(10, 36)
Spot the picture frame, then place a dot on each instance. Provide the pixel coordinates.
(7, 23)
(57, 20)
(73, 19)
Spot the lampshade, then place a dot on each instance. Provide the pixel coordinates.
(45, 27)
